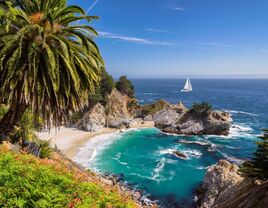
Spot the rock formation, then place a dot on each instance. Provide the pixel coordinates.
(179, 120)
(118, 112)
(94, 119)
(224, 187)
(115, 114)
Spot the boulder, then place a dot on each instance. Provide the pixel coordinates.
(94, 119)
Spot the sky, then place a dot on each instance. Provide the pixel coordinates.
(177, 38)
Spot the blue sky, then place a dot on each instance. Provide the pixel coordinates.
(174, 38)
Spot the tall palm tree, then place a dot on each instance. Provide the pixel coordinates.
(47, 62)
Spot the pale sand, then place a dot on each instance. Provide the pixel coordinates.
(70, 140)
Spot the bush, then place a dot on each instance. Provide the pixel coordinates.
(203, 108)
(28, 182)
(107, 83)
(258, 166)
(125, 86)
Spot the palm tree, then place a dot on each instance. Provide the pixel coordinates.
(47, 62)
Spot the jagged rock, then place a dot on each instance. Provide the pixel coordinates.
(94, 119)
(179, 154)
(118, 113)
(224, 187)
(148, 118)
(179, 120)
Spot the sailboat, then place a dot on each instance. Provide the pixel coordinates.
(188, 86)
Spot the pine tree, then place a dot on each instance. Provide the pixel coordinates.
(258, 166)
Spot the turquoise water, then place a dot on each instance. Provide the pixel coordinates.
(142, 156)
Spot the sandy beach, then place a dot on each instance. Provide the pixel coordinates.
(70, 140)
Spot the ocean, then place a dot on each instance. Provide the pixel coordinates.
(142, 155)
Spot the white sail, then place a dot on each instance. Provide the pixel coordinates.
(188, 86)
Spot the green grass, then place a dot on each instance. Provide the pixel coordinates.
(26, 181)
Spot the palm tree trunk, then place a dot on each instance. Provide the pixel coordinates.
(10, 120)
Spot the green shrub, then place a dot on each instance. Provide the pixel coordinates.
(125, 86)
(27, 182)
(202, 108)
(45, 149)
(258, 166)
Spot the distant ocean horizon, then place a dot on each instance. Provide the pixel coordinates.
(143, 157)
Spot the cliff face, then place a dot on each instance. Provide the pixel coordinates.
(94, 119)
(118, 114)
(223, 187)
(179, 120)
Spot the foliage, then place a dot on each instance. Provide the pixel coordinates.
(104, 88)
(125, 86)
(47, 59)
(153, 108)
(202, 108)
(106, 84)
(258, 166)
(3, 110)
(25, 129)
(27, 182)
(45, 149)
(75, 117)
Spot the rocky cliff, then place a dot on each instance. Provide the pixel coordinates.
(223, 187)
(94, 119)
(179, 120)
(116, 113)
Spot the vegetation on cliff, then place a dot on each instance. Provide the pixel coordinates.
(258, 166)
(201, 108)
(26, 181)
(125, 86)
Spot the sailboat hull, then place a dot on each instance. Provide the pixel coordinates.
(186, 90)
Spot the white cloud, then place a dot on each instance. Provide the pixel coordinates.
(215, 44)
(155, 30)
(133, 39)
(179, 9)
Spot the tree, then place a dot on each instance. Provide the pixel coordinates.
(47, 62)
(202, 108)
(125, 86)
(258, 166)
(106, 84)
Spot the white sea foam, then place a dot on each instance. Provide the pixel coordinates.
(193, 153)
(94, 146)
(231, 158)
(240, 112)
(118, 157)
(159, 167)
(202, 167)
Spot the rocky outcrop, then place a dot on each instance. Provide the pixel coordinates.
(179, 120)
(224, 187)
(118, 113)
(94, 119)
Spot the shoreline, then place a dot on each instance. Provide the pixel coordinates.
(70, 140)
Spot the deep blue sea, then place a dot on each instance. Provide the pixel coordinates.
(142, 155)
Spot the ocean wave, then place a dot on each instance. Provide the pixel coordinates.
(193, 153)
(232, 159)
(142, 176)
(240, 112)
(202, 167)
(150, 93)
(95, 145)
(159, 167)
(118, 157)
